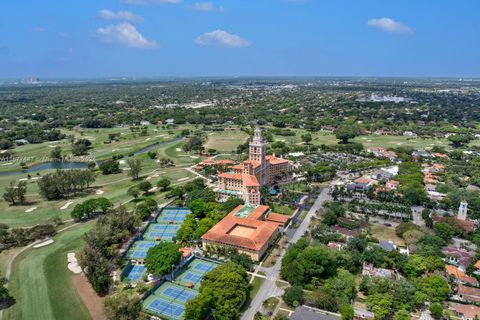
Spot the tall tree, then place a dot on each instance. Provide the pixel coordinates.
(135, 166)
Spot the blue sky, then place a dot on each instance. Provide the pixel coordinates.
(156, 38)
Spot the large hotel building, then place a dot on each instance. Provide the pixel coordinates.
(246, 179)
(249, 228)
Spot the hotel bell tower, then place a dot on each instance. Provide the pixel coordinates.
(257, 147)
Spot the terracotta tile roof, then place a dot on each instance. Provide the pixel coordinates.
(460, 275)
(185, 252)
(362, 181)
(394, 182)
(467, 310)
(467, 225)
(275, 160)
(276, 217)
(477, 264)
(259, 237)
(440, 155)
(255, 164)
(238, 166)
(224, 162)
(226, 175)
(469, 293)
(250, 181)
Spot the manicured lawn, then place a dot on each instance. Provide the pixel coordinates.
(42, 284)
(271, 303)
(225, 141)
(283, 209)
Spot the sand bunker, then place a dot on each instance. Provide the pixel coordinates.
(30, 209)
(99, 191)
(66, 205)
(73, 263)
(43, 244)
(178, 149)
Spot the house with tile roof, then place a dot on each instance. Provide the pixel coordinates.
(460, 276)
(245, 179)
(468, 294)
(466, 311)
(458, 257)
(248, 228)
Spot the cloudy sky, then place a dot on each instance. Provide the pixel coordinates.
(103, 38)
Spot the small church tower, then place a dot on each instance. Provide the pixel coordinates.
(257, 150)
(462, 211)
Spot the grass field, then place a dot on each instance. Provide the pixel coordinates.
(225, 141)
(382, 232)
(42, 284)
(114, 187)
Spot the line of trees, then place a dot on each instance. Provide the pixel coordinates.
(100, 252)
(65, 183)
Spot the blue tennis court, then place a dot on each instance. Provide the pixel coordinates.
(166, 308)
(146, 245)
(174, 219)
(139, 249)
(136, 273)
(203, 267)
(178, 294)
(192, 277)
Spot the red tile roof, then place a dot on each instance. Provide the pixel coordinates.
(460, 275)
(469, 293)
(467, 310)
(275, 160)
(263, 230)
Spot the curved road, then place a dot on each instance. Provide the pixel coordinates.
(269, 287)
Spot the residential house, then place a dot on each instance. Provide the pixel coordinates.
(387, 245)
(468, 294)
(392, 185)
(460, 276)
(466, 311)
(370, 271)
(458, 257)
(360, 185)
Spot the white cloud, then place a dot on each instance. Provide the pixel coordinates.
(145, 2)
(39, 29)
(119, 15)
(220, 38)
(205, 6)
(123, 34)
(389, 25)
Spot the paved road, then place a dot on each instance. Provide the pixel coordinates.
(269, 287)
